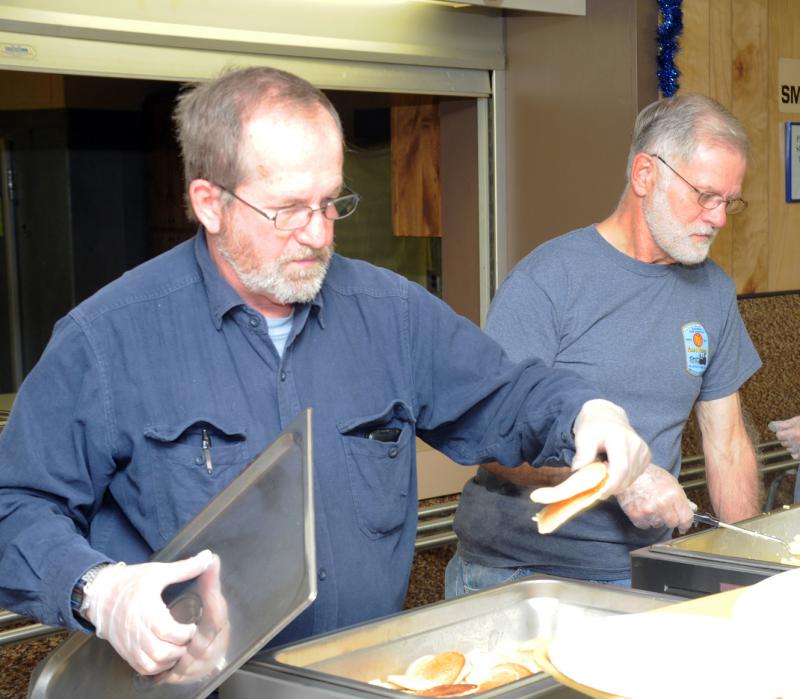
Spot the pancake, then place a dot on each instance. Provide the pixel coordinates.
(442, 668)
(578, 493)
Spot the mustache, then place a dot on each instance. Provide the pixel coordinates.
(705, 230)
(306, 253)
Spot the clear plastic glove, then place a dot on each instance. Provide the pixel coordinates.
(656, 499)
(602, 427)
(206, 653)
(124, 604)
(788, 434)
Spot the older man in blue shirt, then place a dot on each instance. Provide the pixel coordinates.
(154, 394)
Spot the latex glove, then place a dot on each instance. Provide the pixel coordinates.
(602, 427)
(124, 604)
(656, 499)
(788, 434)
(205, 654)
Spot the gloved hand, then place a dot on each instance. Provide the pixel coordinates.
(788, 434)
(206, 653)
(603, 427)
(656, 499)
(124, 604)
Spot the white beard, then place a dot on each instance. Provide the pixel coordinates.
(673, 238)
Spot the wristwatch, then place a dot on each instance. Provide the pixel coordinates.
(78, 590)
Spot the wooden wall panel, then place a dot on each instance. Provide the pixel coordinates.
(720, 87)
(416, 145)
(730, 51)
(750, 96)
(720, 52)
(23, 90)
(784, 230)
(693, 58)
(702, 65)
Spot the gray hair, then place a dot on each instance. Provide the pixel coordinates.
(209, 117)
(674, 127)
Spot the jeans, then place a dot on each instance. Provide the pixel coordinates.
(462, 577)
(797, 486)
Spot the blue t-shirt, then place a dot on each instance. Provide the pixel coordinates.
(102, 455)
(279, 329)
(652, 338)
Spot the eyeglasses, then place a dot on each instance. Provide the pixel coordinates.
(290, 218)
(709, 200)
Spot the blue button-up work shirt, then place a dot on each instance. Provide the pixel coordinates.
(101, 458)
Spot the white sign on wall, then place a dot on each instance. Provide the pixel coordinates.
(789, 84)
(792, 161)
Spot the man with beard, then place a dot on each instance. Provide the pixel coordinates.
(156, 392)
(633, 305)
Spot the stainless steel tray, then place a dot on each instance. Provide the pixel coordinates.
(715, 560)
(723, 543)
(341, 663)
(261, 526)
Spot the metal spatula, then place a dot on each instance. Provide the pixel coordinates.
(706, 518)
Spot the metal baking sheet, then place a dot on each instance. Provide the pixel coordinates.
(262, 528)
(343, 662)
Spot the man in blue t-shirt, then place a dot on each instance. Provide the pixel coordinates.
(633, 305)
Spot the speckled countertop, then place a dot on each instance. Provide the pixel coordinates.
(17, 662)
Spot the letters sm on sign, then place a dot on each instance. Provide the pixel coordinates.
(789, 85)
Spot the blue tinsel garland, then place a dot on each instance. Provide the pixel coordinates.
(669, 30)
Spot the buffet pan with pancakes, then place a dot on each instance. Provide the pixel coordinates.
(482, 631)
(715, 560)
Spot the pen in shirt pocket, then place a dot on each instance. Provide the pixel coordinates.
(206, 444)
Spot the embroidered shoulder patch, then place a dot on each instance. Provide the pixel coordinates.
(695, 345)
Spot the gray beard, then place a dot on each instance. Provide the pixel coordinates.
(672, 237)
(271, 281)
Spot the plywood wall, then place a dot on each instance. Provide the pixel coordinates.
(730, 51)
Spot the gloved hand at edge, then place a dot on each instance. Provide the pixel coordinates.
(656, 499)
(124, 604)
(788, 434)
(602, 427)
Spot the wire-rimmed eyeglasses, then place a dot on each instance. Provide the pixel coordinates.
(291, 218)
(709, 200)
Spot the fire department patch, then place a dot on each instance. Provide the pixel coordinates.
(695, 345)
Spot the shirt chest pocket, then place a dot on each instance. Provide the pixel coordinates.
(190, 462)
(379, 450)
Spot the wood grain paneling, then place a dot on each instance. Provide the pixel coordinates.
(416, 143)
(720, 87)
(693, 58)
(23, 90)
(750, 95)
(730, 51)
(706, 68)
(784, 229)
(720, 53)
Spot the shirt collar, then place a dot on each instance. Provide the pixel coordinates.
(222, 297)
